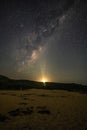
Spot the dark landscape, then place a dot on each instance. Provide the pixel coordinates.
(29, 105)
(42, 109)
(11, 84)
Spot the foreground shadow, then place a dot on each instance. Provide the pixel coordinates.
(18, 112)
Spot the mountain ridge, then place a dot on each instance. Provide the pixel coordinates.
(15, 84)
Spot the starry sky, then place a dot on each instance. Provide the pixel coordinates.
(44, 39)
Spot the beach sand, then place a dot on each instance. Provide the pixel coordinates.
(40, 109)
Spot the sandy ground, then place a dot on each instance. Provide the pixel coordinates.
(43, 110)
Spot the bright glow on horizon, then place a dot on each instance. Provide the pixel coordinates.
(44, 81)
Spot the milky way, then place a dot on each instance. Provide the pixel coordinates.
(44, 38)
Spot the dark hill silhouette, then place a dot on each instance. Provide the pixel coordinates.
(12, 84)
(3, 78)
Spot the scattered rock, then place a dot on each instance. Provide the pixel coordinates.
(44, 112)
(27, 111)
(43, 95)
(17, 112)
(25, 98)
(3, 118)
(14, 112)
(23, 103)
(27, 94)
(41, 107)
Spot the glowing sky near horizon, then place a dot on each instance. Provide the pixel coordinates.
(44, 39)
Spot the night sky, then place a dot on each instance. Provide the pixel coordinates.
(44, 39)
